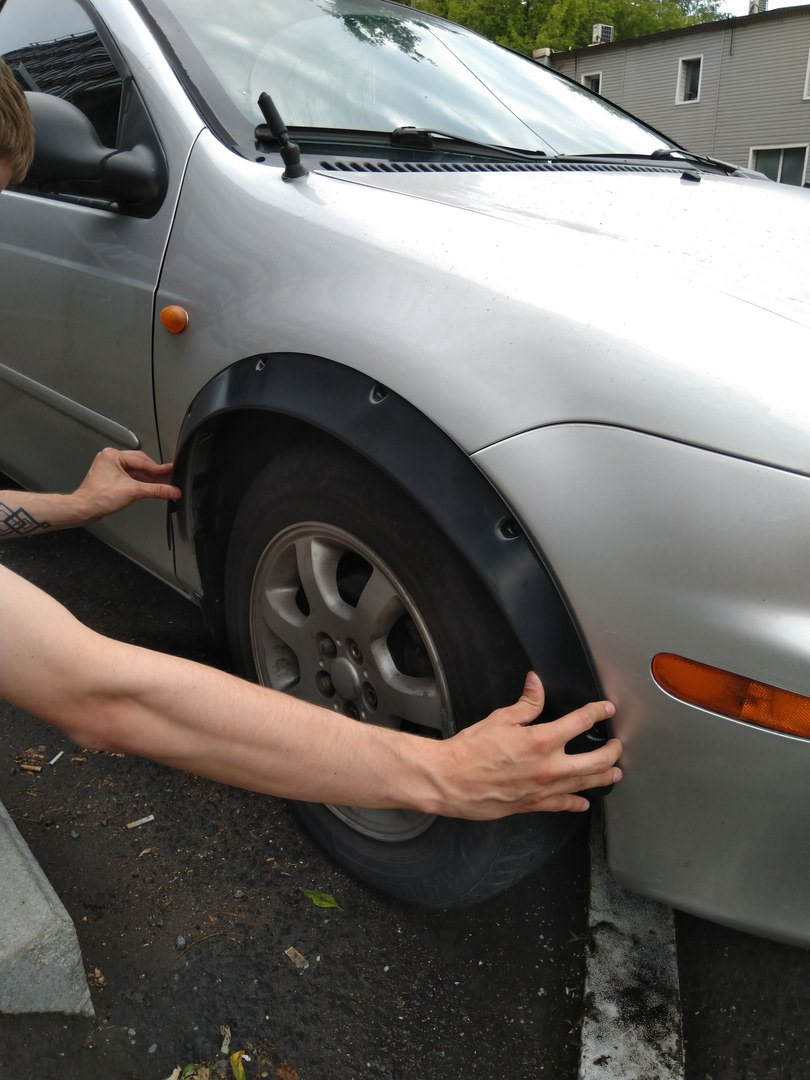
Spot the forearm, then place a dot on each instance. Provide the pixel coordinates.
(24, 513)
(116, 478)
(109, 695)
(201, 720)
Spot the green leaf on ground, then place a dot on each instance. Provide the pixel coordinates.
(321, 899)
(237, 1068)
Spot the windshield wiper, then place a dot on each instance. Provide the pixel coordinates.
(426, 140)
(431, 139)
(665, 153)
(675, 153)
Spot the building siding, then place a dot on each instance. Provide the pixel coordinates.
(753, 80)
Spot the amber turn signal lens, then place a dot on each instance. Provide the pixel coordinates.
(732, 695)
(174, 318)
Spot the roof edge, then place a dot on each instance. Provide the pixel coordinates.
(686, 31)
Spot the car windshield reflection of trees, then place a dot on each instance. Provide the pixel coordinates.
(379, 29)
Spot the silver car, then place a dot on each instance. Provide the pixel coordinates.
(463, 370)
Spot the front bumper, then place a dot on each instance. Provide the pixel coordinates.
(663, 547)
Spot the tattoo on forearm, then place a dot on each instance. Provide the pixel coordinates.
(19, 522)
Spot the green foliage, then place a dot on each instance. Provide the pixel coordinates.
(569, 22)
(321, 899)
(377, 29)
(525, 25)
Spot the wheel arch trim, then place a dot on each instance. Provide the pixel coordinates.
(429, 466)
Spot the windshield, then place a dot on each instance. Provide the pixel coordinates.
(365, 65)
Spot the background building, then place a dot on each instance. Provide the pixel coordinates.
(738, 89)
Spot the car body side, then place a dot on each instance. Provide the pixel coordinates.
(609, 432)
(607, 383)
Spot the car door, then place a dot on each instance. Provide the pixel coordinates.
(78, 276)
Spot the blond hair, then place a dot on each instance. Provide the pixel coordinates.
(16, 125)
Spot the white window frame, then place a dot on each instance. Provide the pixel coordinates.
(591, 75)
(806, 94)
(679, 92)
(752, 155)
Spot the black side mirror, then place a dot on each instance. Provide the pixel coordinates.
(69, 157)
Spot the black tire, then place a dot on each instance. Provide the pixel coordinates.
(424, 627)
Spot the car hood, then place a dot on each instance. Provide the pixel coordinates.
(666, 300)
(738, 235)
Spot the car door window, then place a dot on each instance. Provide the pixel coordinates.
(79, 266)
(72, 62)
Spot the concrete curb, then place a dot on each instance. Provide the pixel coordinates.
(632, 1027)
(41, 969)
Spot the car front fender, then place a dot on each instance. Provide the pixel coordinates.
(267, 397)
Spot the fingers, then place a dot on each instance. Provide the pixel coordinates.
(551, 737)
(157, 491)
(595, 761)
(557, 804)
(141, 469)
(562, 795)
(527, 707)
(531, 702)
(583, 719)
(574, 772)
(148, 476)
(143, 486)
(598, 775)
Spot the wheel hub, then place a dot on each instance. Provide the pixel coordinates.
(345, 678)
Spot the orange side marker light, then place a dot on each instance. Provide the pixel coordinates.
(732, 695)
(174, 318)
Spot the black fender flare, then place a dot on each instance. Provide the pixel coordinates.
(434, 471)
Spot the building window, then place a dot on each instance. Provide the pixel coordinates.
(807, 79)
(593, 80)
(690, 69)
(785, 164)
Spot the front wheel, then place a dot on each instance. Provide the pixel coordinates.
(342, 592)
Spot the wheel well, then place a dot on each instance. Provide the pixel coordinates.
(261, 405)
(227, 457)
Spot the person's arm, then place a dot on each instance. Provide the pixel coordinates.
(109, 695)
(115, 479)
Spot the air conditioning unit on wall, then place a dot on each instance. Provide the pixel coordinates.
(602, 34)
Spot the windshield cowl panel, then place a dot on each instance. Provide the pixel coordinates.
(368, 65)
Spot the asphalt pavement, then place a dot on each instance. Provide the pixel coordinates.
(186, 922)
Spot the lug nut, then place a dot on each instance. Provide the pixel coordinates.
(326, 647)
(323, 681)
(370, 696)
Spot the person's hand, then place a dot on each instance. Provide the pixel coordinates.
(502, 765)
(120, 477)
